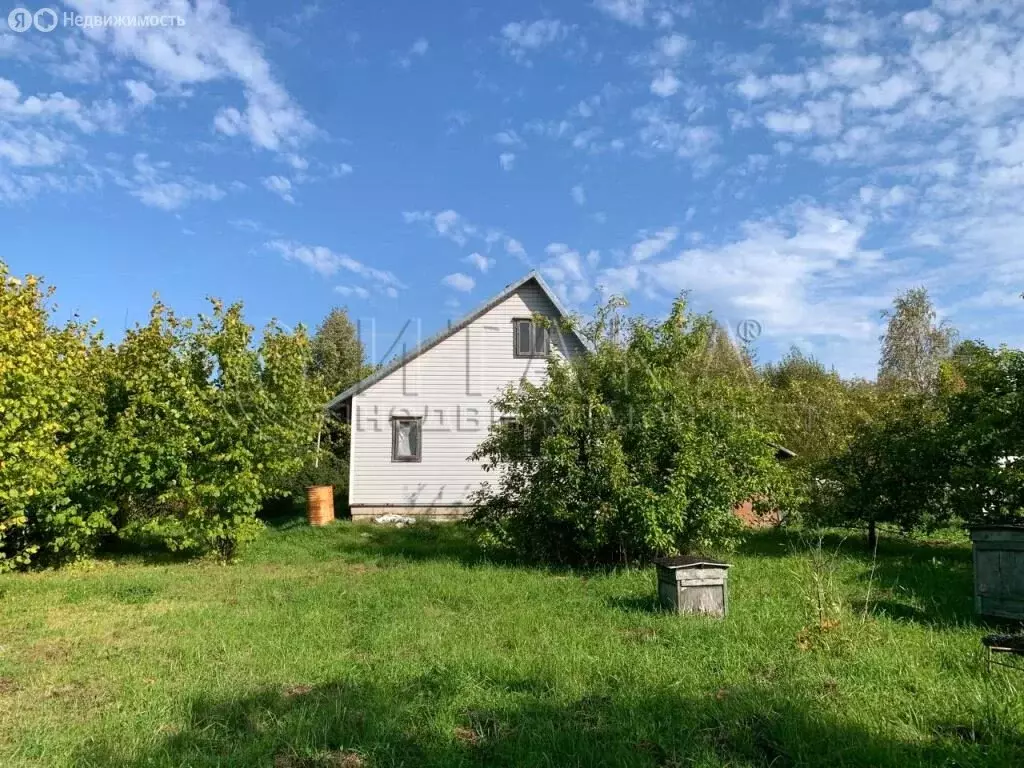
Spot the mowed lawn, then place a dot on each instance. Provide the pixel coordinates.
(357, 645)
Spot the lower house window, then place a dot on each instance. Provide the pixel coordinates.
(407, 438)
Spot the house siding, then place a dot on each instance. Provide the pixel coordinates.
(451, 386)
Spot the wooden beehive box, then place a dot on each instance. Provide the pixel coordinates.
(999, 571)
(696, 585)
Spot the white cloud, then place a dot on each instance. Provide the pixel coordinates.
(885, 94)
(448, 224)
(519, 38)
(207, 48)
(924, 20)
(417, 50)
(578, 195)
(508, 138)
(506, 160)
(327, 263)
(453, 226)
(627, 11)
(789, 122)
(514, 248)
(568, 271)
(673, 46)
(81, 61)
(25, 147)
(619, 280)
(804, 273)
(652, 245)
(662, 133)
(22, 185)
(280, 186)
(352, 290)
(789, 85)
(852, 67)
(481, 262)
(929, 107)
(151, 186)
(665, 84)
(459, 282)
(141, 94)
(55, 108)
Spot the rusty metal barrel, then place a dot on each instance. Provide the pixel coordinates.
(320, 504)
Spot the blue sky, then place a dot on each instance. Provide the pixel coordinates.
(796, 163)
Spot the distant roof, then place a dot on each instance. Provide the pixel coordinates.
(440, 336)
(782, 452)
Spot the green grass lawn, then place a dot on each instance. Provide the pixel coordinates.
(364, 646)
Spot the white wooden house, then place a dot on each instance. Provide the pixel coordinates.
(416, 421)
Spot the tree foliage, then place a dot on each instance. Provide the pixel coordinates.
(338, 358)
(815, 411)
(45, 406)
(915, 344)
(204, 425)
(894, 469)
(178, 433)
(891, 464)
(640, 447)
(985, 433)
(952, 454)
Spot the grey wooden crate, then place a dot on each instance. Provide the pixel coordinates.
(693, 585)
(999, 571)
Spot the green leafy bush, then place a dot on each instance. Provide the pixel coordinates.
(985, 433)
(177, 435)
(47, 404)
(204, 426)
(643, 446)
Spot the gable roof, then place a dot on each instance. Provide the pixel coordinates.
(451, 330)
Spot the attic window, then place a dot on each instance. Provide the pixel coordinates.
(406, 438)
(530, 338)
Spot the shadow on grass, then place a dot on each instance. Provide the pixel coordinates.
(456, 541)
(636, 604)
(435, 721)
(282, 509)
(923, 581)
(418, 542)
(141, 549)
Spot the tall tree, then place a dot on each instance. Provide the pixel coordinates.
(724, 357)
(914, 345)
(813, 408)
(895, 469)
(338, 356)
(985, 407)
